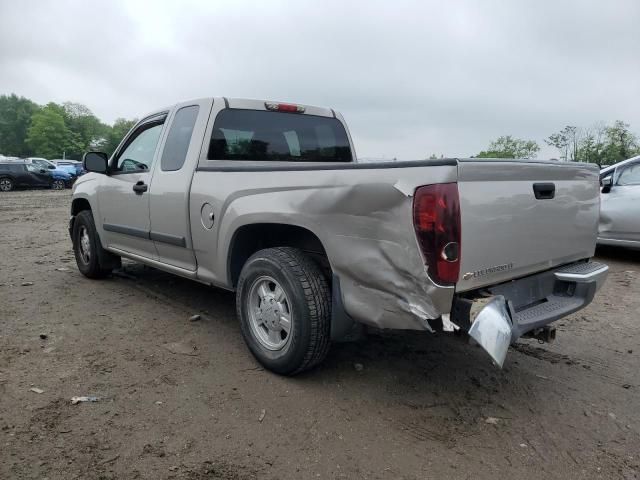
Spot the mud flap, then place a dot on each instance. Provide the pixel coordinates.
(491, 327)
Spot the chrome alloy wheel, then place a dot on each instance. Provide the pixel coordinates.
(270, 315)
(85, 245)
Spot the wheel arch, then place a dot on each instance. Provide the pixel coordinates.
(78, 205)
(250, 238)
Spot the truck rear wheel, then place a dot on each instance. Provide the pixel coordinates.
(93, 260)
(284, 305)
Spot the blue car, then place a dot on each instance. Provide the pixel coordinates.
(72, 167)
(47, 164)
(67, 178)
(53, 170)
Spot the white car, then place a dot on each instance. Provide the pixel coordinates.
(620, 204)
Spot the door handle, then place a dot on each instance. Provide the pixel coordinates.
(544, 191)
(140, 187)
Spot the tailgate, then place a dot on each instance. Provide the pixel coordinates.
(508, 233)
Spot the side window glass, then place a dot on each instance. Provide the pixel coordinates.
(138, 154)
(178, 139)
(630, 175)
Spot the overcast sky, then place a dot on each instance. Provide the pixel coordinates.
(411, 78)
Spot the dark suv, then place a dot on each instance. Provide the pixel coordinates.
(22, 174)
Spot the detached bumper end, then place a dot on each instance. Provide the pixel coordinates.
(491, 327)
(503, 313)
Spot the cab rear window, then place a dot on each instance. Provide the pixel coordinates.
(278, 136)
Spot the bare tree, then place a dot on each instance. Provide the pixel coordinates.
(567, 141)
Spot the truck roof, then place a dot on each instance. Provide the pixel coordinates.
(253, 104)
(250, 104)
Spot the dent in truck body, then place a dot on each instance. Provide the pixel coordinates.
(363, 221)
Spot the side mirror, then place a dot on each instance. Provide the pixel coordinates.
(42, 170)
(51, 167)
(95, 162)
(606, 183)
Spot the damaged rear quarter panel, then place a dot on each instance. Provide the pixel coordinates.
(363, 217)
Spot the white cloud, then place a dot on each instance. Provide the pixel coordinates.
(411, 78)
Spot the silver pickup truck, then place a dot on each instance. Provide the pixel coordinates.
(267, 199)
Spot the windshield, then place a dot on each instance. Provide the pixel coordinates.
(278, 136)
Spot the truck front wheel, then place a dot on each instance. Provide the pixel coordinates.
(93, 261)
(284, 305)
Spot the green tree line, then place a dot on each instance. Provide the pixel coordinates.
(602, 144)
(53, 130)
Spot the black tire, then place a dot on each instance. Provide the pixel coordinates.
(6, 184)
(58, 185)
(98, 263)
(310, 297)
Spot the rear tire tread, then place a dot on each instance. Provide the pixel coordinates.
(317, 296)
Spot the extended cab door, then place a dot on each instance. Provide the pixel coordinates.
(620, 206)
(170, 195)
(123, 195)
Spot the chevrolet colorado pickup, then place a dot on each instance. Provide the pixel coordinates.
(267, 199)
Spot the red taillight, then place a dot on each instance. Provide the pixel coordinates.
(284, 107)
(436, 219)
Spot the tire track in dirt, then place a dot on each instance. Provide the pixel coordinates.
(596, 368)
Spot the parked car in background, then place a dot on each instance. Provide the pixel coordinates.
(72, 167)
(42, 162)
(620, 204)
(67, 178)
(68, 168)
(47, 164)
(15, 174)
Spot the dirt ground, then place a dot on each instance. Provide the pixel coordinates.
(185, 400)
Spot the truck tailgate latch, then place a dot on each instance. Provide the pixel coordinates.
(544, 191)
